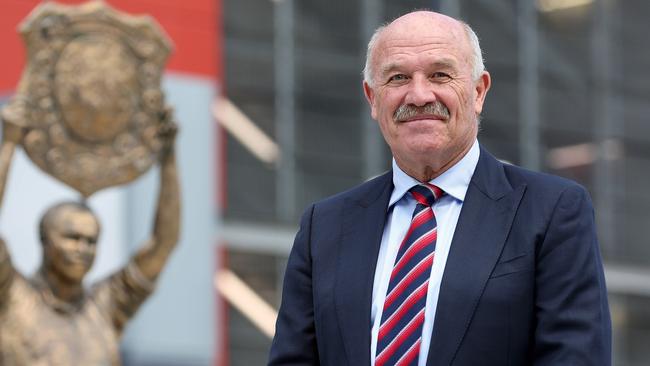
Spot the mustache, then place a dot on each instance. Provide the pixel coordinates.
(408, 111)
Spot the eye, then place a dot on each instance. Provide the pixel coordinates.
(440, 76)
(397, 78)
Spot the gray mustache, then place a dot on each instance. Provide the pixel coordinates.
(407, 111)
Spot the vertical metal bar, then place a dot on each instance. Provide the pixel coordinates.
(374, 149)
(284, 107)
(605, 116)
(529, 134)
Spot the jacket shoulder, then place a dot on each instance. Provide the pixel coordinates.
(364, 193)
(541, 184)
(517, 174)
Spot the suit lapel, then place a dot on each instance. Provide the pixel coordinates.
(363, 225)
(485, 220)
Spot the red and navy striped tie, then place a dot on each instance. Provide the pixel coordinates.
(400, 332)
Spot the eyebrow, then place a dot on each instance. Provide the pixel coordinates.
(443, 63)
(77, 233)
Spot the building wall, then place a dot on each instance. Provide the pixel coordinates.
(179, 324)
(569, 97)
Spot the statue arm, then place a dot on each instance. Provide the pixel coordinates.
(12, 135)
(151, 258)
(123, 293)
(6, 273)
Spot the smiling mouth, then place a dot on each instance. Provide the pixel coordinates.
(78, 261)
(422, 117)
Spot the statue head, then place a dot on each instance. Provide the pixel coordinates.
(69, 233)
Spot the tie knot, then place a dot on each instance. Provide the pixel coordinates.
(426, 194)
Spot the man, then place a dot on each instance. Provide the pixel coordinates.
(452, 258)
(50, 319)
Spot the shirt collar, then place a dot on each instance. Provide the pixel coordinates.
(454, 181)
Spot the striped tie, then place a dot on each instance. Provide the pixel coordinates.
(400, 333)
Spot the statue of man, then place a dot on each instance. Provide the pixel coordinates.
(50, 319)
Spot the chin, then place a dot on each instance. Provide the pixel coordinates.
(76, 277)
(425, 148)
(76, 274)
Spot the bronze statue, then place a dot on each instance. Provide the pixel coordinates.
(50, 319)
(92, 120)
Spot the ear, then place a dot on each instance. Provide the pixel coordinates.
(370, 97)
(46, 253)
(481, 88)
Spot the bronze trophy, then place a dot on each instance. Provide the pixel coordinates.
(89, 111)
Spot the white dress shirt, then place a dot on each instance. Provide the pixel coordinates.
(454, 183)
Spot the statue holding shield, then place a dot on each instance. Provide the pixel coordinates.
(88, 111)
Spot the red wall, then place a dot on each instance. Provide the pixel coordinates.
(193, 25)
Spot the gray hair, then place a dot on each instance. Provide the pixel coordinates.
(477, 62)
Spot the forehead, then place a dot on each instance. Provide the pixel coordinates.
(433, 37)
(71, 220)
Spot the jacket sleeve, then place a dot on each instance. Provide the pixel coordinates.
(573, 324)
(295, 338)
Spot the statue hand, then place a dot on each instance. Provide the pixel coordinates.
(13, 132)
(13, 128)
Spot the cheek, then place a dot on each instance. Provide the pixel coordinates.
(54, 253)
(387, 103)
(385, 119)
(458, 96)
(468, 101)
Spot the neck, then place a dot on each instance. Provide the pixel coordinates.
(60, 288)
(430, 170)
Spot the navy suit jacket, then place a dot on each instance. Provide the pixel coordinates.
(523, 283)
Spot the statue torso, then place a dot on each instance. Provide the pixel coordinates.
(35, 330)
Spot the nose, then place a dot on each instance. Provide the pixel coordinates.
(84, 244)
(420, 91)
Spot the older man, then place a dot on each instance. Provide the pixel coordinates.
(452, 258)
